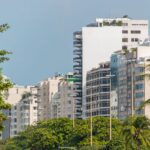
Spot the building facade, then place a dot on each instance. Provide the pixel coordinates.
(46, 91)
(27, 114)
(95, 43)
(14, 97)
(63, 100)
(131, 85)
(98, 91)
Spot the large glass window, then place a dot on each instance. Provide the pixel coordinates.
(139, 86)
(139, 95)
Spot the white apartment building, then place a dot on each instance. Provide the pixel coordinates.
(63, 100)
(14, 97)
(27, 114)
(95, 43)
(46, 90)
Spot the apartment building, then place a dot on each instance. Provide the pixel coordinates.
(14, 97)
(63, 100)
(27, 114)
(131, 86)
(95, 43)
(98, 91)
(46, 91)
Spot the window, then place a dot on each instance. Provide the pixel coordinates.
(15, 132)
(69, 102)
(138, 104)
(125, 40)
(34, 108)
(69, 116)
(15, 119)
(17, 91)
(135, 31)
(105, 89)
(15, 107)
(139, 86)
(124, 47)
(125, 24)
(134, 39)
(104, 104)
(139, 95)
(139, 78)
(69, 87)
(125, 31)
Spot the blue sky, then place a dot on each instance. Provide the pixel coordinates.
(40, 36)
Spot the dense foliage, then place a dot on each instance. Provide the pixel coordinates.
(58, 133)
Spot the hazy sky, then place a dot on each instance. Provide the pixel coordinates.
(40, 36)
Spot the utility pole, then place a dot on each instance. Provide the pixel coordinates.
(110, 114)
(91, 119)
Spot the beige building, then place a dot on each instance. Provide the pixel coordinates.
(46, 91)
(63, 100)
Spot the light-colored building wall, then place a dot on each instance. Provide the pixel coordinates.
(47, 89)
(27, 113)
(21, 111)
(96, 48)
(63, 100)
(13, 97)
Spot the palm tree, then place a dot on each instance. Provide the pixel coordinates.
(147, 102)
(136, 132)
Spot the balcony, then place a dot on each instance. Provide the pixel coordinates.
(77, 59)
(77, 52)
(77, 43)
(77, 35)
(77, 67)
(78, 89)
(78, 76)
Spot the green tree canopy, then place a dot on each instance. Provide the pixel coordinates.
(55, 133)
(5, 83)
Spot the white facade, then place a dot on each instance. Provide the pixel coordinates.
(27, 114)
(14, 97)
(97, 45)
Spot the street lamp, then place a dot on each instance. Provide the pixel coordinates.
(110, 114)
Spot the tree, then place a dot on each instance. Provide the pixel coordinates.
(136, 132)
(54, 133)
(115, 144)
(5, 83)
(145, 103)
